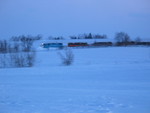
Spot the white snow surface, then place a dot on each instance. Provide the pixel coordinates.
(101, 80)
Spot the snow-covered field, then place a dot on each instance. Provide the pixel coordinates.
(101, 80)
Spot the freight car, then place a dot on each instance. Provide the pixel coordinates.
(102, 44)
(78, 44)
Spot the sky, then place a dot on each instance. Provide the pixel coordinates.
(73, 17)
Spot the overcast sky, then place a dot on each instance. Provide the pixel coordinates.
(73, 17)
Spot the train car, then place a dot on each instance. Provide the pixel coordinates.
(102, 44)
(52, 45)
(78, 44)
(131, 43)
(143, 43)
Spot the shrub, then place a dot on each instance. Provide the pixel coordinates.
(17, 53)
(20, 59)
(67, 57)
(122, 38)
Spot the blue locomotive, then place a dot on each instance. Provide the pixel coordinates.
(52, 45)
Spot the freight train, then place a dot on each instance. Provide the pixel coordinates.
(94, 44)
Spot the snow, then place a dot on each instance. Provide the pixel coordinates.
(101, 80)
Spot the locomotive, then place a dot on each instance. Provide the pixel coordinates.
(52, 45)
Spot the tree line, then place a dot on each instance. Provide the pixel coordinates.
(17, 52)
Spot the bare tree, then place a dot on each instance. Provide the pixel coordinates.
(30, 58)
(22, 59)
(27, 43)
(122, 38)
(67, 57)
(3, 46)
